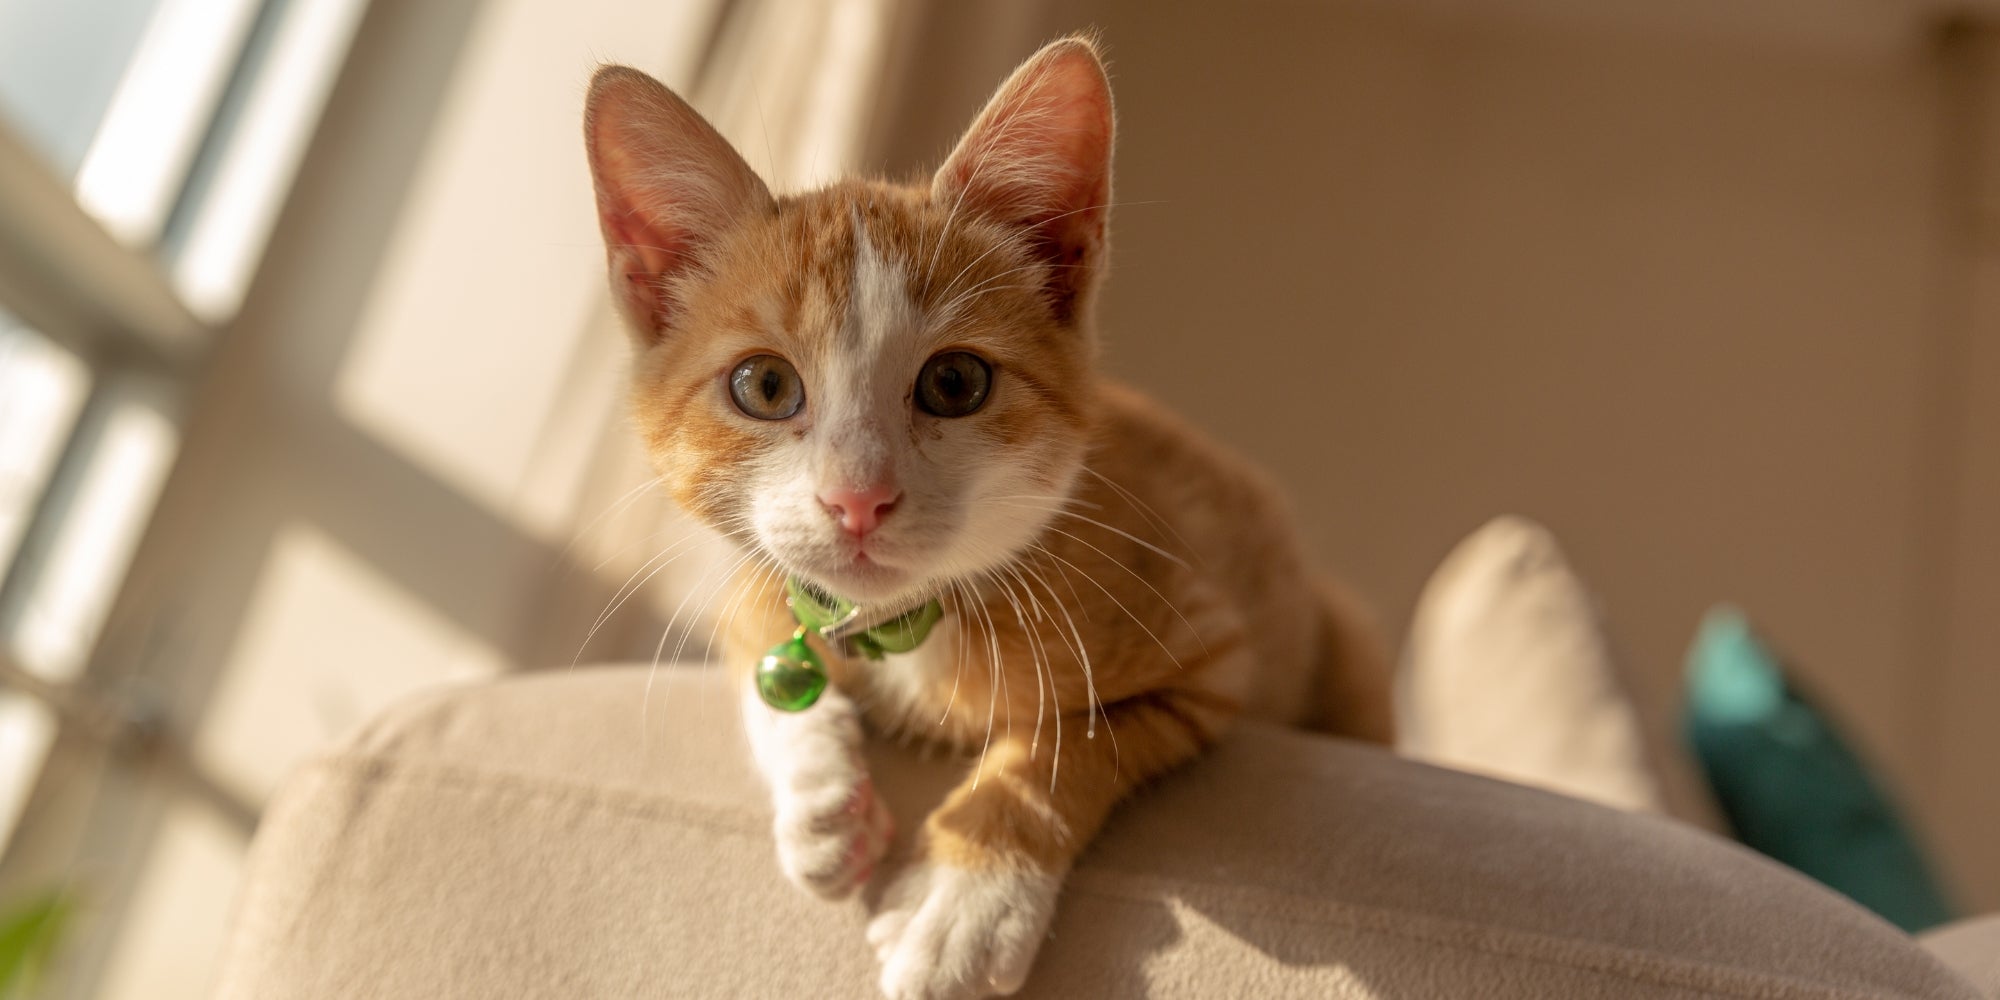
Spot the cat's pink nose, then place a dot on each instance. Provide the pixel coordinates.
(860, 511)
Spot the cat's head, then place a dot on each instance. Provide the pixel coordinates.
(882, 387)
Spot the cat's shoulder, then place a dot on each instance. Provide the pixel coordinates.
(1128, 414)
(1122, 407)
(1144, 437)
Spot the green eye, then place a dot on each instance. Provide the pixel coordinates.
(767, 387)
(953, 384)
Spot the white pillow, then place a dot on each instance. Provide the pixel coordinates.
(1508, 673)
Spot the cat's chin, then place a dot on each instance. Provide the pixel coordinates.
(867, 583)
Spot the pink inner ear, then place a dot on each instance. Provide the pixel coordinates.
(642, 255)
(667, 185)
(641, 248)
(1039, 157)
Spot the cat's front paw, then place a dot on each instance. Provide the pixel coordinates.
(949, 933)
(831, 834)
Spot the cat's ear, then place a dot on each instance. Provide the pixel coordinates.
(668, 185)
(1039, 158)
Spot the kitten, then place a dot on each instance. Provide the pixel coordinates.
(885, 394)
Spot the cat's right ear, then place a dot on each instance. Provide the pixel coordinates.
(1038, 159)
(668, 185)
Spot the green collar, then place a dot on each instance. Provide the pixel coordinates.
(836, 618)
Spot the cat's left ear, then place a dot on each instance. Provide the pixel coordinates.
(668, 186)
(1039, 158)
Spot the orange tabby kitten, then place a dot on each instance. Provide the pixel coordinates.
(885, 394)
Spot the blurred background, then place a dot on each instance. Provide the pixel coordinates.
(310, 395)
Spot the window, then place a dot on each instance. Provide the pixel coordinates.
(145, 149)
(42, 390)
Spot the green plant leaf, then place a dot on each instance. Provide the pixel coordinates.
(29, 934)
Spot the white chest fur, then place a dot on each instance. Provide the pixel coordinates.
(902, 690)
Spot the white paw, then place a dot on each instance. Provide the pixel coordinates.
(945, 933)
(831, 827)
(830, 834)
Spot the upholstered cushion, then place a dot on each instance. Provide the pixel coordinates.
(584, 834)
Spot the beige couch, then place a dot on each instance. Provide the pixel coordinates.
(601, 834)
(588, 834)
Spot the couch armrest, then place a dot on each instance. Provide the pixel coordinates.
(584, 834)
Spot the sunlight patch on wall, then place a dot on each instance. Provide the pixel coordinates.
(327, 642)
(178, 919)
(488, 289)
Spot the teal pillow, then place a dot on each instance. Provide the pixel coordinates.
(1788, 784)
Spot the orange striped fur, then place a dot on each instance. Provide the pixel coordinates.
(1117, 588)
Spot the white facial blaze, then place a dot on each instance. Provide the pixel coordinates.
(966, 505)
(862, 423)
(879, 306)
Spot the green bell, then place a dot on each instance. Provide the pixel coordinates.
(791, 676)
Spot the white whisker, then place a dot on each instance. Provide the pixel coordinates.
(1145, 510)
(1089, 679)
(960, 640)
(646, 698)
(1039, 652)
(627, 589)
(629, 498)
(1020, 615)
(1128, 536)
(995, 678)
(1148, 584)
(1120, 604)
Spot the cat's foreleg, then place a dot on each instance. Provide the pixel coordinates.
(967, 915)
(830, 826)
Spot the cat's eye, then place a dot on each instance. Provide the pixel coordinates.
(953, 384)
(767, 387)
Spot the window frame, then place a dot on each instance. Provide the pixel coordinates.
(133, 269)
